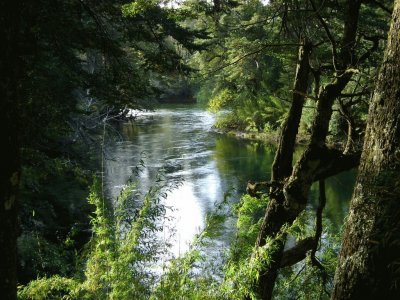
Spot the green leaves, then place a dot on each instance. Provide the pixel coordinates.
(56, 287)
(137, 7)
(222, 100)
(125, 243)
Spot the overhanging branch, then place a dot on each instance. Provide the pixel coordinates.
(249, 54)
(335, 162)
(297, 253)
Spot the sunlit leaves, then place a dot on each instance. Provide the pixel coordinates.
(138, 6)
(222, 100)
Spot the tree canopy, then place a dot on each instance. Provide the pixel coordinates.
(321, 72)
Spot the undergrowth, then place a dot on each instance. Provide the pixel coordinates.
(125, 258)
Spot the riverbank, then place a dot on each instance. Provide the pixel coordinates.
(265, 137)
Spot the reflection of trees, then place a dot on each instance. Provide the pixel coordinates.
(249, 160)
(243, 159)
(338, 191)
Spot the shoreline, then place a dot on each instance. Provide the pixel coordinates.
(269, 138)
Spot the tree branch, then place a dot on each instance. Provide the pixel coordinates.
(328, 33)
(381, 6)
(96, 18)
(335, 162)
(374, 47)
(255, 189)
(297, 253)
(318, 225)
(304, 95)
(249, 54)
(362, 93)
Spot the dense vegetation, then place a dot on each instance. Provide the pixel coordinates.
(288, 69)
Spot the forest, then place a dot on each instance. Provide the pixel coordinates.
(200, 149)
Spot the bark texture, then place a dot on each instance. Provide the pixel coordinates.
(282, 166)
(370, 257)
(9, 165)
(290, 188)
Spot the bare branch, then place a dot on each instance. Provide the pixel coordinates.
(328, 33)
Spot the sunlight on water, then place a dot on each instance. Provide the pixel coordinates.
(187, 216)
(203, 164)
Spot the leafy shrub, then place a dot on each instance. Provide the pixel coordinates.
(52, 288)
(124, 250)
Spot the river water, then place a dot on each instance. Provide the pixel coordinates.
(181, 141)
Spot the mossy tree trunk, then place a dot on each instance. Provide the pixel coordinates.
(10, 164)
(370, 257)
(290, 188)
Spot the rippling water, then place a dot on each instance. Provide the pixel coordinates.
(181, 141)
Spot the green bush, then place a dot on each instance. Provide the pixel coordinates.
(52, 288)
(124, 249)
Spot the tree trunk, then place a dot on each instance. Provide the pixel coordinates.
(10, 165)
(282, 166)
(370, 257)
(289, 198)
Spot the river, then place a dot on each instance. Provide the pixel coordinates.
(180, 140)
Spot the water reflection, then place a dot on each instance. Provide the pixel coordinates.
(181, 141)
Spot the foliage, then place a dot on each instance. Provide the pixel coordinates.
(195, 275)
(306, 281)
(245, 261)
(53, 216)
(137, 7)
(221, 100)
(55, 287)
(121, 253)
(251, 58)
(249, 211)
(86, 62)
(84, 65)
(124, 251)
(180, 281)
(40, 257)
(231, 78)
(125, 247)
